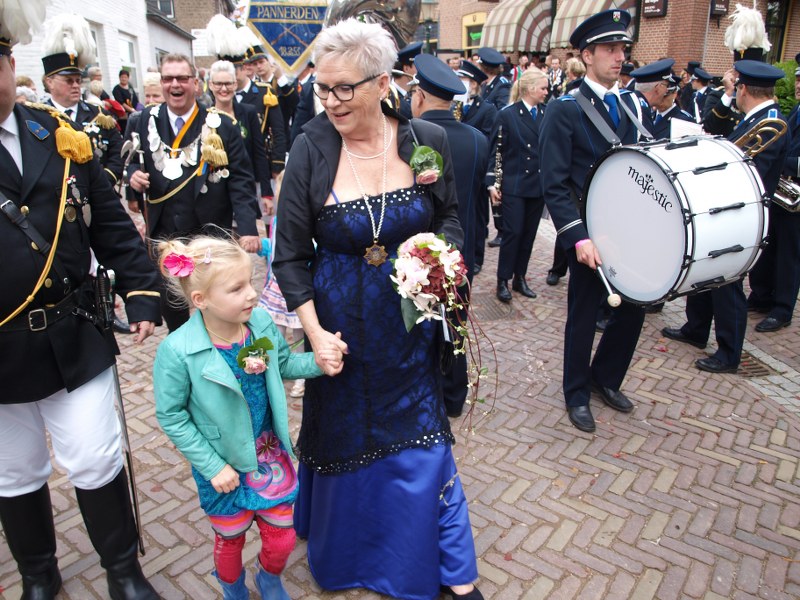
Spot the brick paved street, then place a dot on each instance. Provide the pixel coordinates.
(693, 495)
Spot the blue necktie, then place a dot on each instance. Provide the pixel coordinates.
(658, 118)
(465, 109)
(613, 112)
(533, 113)
(179, 122)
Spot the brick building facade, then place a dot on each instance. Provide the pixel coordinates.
(686, 32)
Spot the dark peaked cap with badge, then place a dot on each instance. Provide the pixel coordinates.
(435, 77)
(702, 75)
(692, 65)
(605, 27)
(661, 70)
(491, 57)
(467, 69)
(757, 73)
(407, 54)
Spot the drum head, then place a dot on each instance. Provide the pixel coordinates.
(634, 216)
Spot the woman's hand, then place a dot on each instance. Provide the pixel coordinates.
(226, 480)
(328, 351)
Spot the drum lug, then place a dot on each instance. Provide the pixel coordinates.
(687, 216)
(687, 260)
(708, 284)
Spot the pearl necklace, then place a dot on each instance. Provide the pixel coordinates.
(375, 254)
(381, 153)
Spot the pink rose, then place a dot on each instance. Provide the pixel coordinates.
(428, 176)
(254, 365)
(178, 265)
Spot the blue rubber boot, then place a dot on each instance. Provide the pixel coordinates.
(236, 590)
(270, 586)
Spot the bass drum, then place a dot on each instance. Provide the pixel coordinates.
(675, 218)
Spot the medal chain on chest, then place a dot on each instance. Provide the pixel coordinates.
(375, 254)
(167, 160)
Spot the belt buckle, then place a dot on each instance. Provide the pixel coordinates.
(36, 322)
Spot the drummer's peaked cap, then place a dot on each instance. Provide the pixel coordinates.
(605, 27)
(757, 73)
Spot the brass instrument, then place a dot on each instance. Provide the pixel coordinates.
(458, 110)
(498, 160)
(758, 139)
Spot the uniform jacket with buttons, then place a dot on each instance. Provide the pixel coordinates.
(519, 151)
(770, 162)
(661, 130)
(200, 404)
(273, 127)
(497, 92)
(569, 144)
(71, 351)
(792, 163)
(481, 115)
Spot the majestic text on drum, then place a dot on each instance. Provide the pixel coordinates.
(648, 189)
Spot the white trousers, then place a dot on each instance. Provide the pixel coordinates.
(84, 429)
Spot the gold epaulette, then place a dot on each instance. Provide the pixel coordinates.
(105, 121)
(212, 150)
(70, 143)
(213, 109)
(261, 84)
(270, 99)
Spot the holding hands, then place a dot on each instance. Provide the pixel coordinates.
(329, 351)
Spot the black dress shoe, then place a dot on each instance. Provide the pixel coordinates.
(581, 417)
(771, 324)
(495, 243)
(714, 365)
(519, 284)
(614, 398)
(43, 586)
(448, 592)
(601, 324)
(503, 293)
(676, 333)
(120, 326)
(476, 269)
(552, 278)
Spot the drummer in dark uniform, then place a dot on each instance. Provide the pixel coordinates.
(496, 88)
(436, 85)
(570, 142)
(660, 86)
(402, 74)
(727, 305)
(56, 356)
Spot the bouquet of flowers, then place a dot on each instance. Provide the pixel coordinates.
(427, 273)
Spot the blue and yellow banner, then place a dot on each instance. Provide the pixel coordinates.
(287, 29)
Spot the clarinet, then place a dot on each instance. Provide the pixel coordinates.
(498, 160)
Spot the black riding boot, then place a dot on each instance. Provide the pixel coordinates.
(28, 524)
(109, 520)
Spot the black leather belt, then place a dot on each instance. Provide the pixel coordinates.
(40, 319)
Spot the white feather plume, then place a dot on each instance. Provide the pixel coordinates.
(248, 38)
(222, 37)
(746, 30)
(19, 19)
(71, 34)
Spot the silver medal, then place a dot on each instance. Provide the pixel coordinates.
(172, 168)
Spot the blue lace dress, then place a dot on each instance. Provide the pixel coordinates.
(380, 501)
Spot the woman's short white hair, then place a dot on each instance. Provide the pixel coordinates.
(27, 93)
(368, 46)
(222, 66)
(151, 78)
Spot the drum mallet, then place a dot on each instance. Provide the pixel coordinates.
(614, 299)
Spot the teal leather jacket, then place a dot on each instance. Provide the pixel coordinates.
(200, 405)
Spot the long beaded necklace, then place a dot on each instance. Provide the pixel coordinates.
(375, 254)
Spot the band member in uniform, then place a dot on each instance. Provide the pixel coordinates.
(64, 82)
(626, 79)
(687, 91)
(481, 115)
(402, 74)
(569, 143)
(775, 279)
(196, 170)
(659, 86)
(700, 81)
(56, 357)
(521, 191)
(727, 305)
(469, 149)
(264, 70)
(496, 88)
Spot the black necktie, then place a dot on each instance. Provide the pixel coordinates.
(6, 159)
(69, 112)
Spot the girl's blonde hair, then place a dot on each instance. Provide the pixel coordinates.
(210, 256)
(525, 82)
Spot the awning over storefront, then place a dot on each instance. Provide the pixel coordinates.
(571, 12)
(518, 25)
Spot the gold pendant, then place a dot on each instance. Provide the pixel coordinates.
(375, 255)
(70, 214)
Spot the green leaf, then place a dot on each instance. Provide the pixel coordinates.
(259, 348)
(410, 313)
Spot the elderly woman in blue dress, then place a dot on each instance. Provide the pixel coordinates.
(380, 499)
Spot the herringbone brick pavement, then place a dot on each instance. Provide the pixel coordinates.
(694, 495)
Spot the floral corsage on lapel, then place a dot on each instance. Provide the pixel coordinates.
(254, 358)
(427, 164)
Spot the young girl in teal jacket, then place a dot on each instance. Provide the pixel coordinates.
(220, 399)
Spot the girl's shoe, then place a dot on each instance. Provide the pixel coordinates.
(298, 389)
(234, 591)
(270, 586)
(448, 592)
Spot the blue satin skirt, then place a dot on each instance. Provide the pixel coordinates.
(399, 526)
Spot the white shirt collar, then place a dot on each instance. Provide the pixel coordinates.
(10, 125)
(527, 106)
(64, 109)
(600, 90)
(755, 109)
(173, 117)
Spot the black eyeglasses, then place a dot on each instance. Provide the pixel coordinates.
(223, 84)
(343, 92)
(178, 78)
